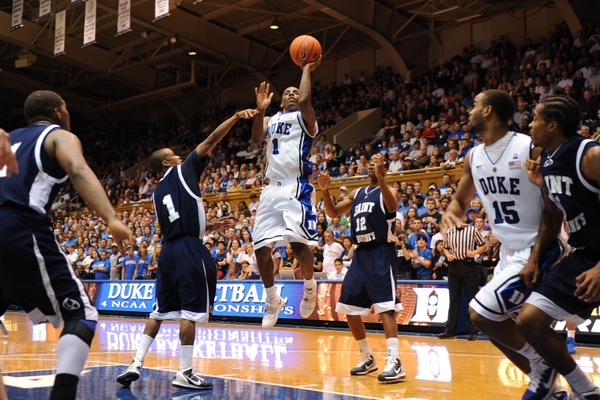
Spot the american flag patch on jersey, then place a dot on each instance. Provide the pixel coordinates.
(514, 164)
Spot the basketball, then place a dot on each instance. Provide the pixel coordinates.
(305, 49)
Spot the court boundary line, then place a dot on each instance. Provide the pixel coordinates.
(230, 378)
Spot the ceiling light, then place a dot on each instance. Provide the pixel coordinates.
(144, 34)
(274, 25)
(173, 39)
(192, 53)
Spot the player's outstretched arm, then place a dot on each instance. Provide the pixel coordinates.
(65, 148)
(462, 198)
(260, 124)
(333, 210)
(215, 137)
(7, 157)
(305, 100)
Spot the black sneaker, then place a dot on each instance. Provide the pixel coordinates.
(365, 366)
(188, 380)
(393, 371)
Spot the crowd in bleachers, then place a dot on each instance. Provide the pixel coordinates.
(425, 123)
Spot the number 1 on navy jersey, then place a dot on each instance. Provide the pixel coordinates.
(168, 202)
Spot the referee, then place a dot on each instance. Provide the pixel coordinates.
(461, 245)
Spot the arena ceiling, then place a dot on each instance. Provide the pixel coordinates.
(231, 41)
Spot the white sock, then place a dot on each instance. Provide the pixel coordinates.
(364, 348)
(580, 383)
(72, 353)
(309, 284)
(392, 345)
(185, 359)
(145, 344)
(271, 293)
(529, 352)
(571, 333)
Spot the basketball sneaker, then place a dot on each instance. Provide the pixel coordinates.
(187, 379)
(571, 345)
(560, 393)
(365, 366)
(132, 373)
(543, 377)
(593, 395)
(272, 310)
(307, 305)
(393, 371)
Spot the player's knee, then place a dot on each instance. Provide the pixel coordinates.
(82, 328)
(526, 324)
(477, 320)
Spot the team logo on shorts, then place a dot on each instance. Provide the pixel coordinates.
(71, 304)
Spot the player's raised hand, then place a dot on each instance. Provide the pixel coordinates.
(263, 98)
(449, 220)
(313, 65)
(120, 233)
(7, 157)
(533, 172)
(247, 114)
(588, 285)
(379, 164)
(324, 181)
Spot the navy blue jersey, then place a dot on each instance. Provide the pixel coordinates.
(177, 200)
(578, 198)
(371, 221)
(39, 179)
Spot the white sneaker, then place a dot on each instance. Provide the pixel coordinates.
(189, 380)
(272, 310)
(307, 305)
(132, 373)
(393, 371)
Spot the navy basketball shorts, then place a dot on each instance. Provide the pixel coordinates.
(186, 281)
(286, 214)
(35, 274)
(504, 295)
(555, 295)
(370, 280)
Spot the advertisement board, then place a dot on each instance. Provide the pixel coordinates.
(424, 304)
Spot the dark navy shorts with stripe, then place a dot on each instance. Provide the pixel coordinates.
(34, 272)
(186, 281)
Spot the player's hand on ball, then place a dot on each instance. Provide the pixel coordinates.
(324, 181)
(533, 172)
(247, 114)
(263, 98)
(314, 65)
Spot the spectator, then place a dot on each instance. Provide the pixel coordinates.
(439, 261)
(101, 267)
(250, 258)
(331, 251)
(143, 261)
(421, 258)
(248, 272)
(340, 270)
(116, 262)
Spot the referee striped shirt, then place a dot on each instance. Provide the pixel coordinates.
(461, 240)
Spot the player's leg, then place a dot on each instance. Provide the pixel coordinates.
(367, 363)
(535, 325)
(197, 286)
(393, 371)
(305, 259)
(274, 303)
(133, 372)
(571, 345)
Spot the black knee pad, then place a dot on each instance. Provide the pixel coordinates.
(83, 329)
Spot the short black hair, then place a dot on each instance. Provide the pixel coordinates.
(421, 236)
(41, 105)
(156, 160)
(563, 110)
(502, 103)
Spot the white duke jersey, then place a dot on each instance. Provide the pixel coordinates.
(513, 204)
(288, 147)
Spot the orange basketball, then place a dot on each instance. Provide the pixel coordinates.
(305, 49)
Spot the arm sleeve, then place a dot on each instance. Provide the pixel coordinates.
(192, 169)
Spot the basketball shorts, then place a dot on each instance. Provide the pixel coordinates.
(286, 214)
(505, 293)
(35, 274)
(370, 280)
(186, 281)
(555, 295)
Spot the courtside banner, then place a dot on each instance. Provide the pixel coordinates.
(424, 304)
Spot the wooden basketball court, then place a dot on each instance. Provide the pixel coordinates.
(245, 361)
